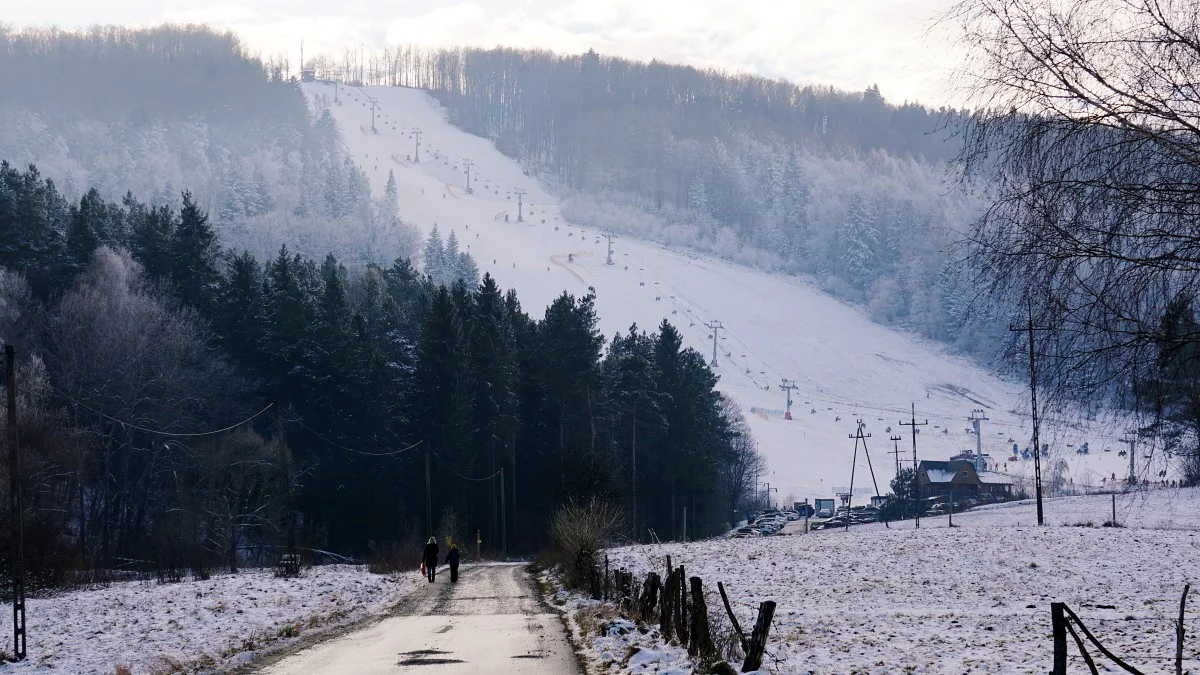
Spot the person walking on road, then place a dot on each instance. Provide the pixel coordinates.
(431, 558)
(452, 557)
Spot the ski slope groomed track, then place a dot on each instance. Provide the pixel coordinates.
(847, 367)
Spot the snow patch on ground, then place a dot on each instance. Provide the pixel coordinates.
(616, 645)
(215, 624)
(973, 598)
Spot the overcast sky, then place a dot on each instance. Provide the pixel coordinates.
(850, 44)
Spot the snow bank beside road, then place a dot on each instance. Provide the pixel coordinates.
(214, 624)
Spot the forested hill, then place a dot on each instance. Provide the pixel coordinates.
(137, 333)
(844, 187)
(150, 111)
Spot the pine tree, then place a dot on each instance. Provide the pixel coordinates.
(240, 308)
(194, 252)
(435, 257)
(152, 234)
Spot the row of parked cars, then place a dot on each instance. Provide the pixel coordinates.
(764, 523)
(858, 515)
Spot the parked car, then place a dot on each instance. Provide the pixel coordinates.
(825, 513)
(745, 533)
(791, 515)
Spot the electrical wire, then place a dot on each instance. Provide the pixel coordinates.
(390, 453)
(447, 465)
(159, 432)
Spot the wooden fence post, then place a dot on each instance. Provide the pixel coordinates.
(1179, 632)
(758, 639)
(681, 619)
(701, 646)
(666, 624)
(737, 627)
(1058, 624)
(649, 596)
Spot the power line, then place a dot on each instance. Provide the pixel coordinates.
(159, 432)
(339, 446)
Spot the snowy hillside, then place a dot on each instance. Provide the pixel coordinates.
(846, 367)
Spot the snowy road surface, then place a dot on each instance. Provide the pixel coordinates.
(491, 621)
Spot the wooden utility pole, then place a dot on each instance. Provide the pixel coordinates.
(428, 496)
(916, 471)
(18, 508)
(291, 561)
(858, 437)
(1037, 448)
(503, 518)
(896, 450)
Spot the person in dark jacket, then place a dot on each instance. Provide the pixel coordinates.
(452, 557)
(431, 558)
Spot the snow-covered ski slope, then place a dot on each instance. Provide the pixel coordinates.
(846, 366)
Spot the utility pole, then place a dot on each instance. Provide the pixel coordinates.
(976, 417)
(520, 205)
(916, 471)
(18, 508)
(1131, 439)
(417, 154)
(896, 450)
(714, 326)
(503, 518)
(1037, 448)
(768, 492)
(788, 386)
(610, 236)
(858, 437)
(291, 562)
(468, 163)
(428, 500)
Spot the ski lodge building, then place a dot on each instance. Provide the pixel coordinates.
(940, 478)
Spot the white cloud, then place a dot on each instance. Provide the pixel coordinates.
(850, 44)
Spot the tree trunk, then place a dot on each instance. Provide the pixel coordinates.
(633, 510)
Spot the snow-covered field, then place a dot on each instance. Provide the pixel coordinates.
(197, 625)
(975, 598)
(775, 327)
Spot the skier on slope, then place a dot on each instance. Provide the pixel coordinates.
(431, 559)
(452, 557)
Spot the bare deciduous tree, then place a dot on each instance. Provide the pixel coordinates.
(1087, 144)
